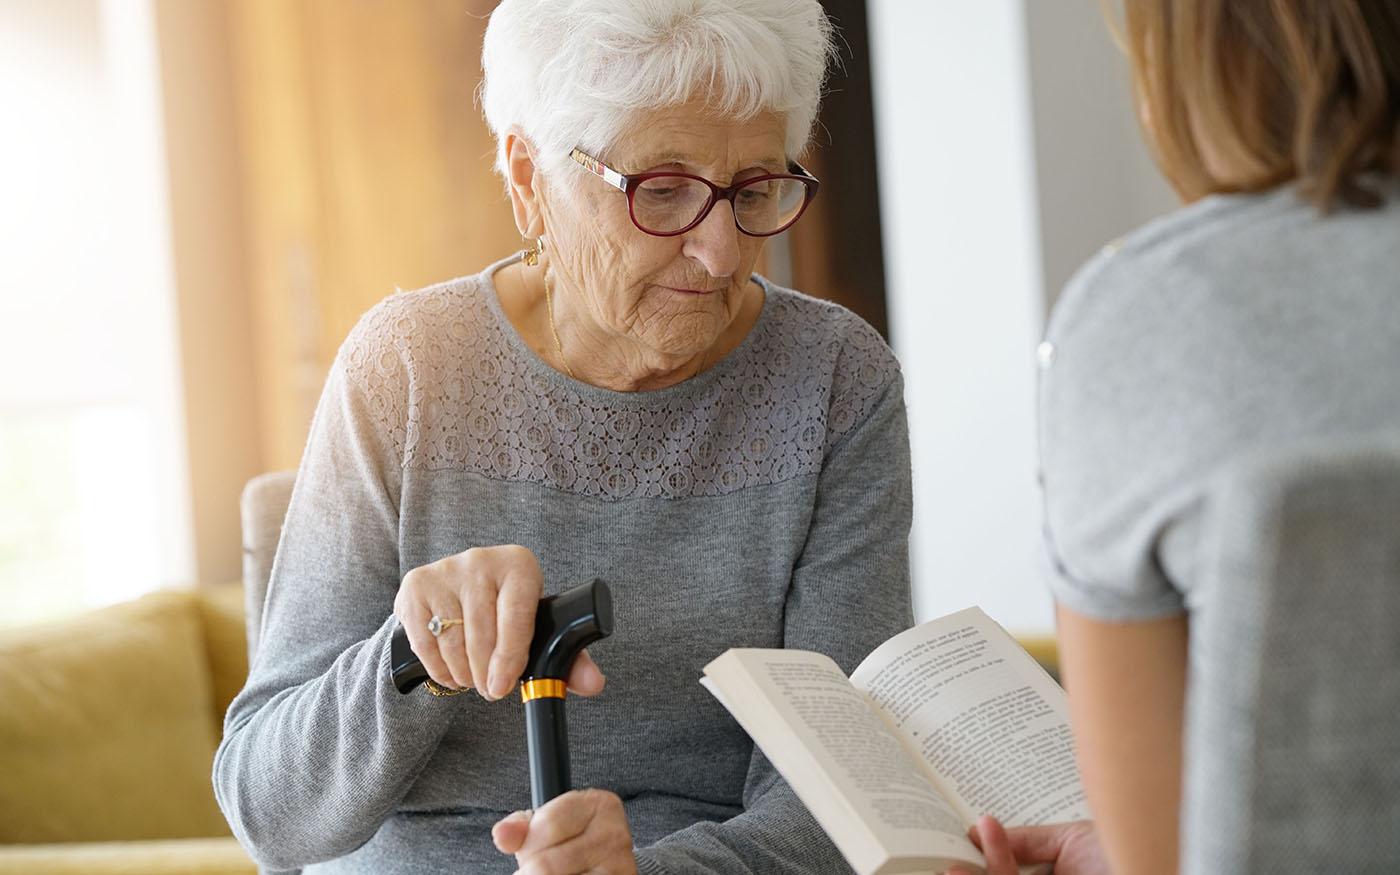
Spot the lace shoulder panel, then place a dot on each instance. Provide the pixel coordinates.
(452, 392)
(863, 368)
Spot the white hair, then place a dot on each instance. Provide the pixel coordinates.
(571, 73)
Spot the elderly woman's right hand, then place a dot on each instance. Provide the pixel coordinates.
(495, 591)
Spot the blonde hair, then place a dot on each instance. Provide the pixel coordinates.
(1304, 91)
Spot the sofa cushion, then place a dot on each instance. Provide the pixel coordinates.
(166, 857)
(221, 609)
(106, 731)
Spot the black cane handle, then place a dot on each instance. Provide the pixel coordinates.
(564, 625)
(405, 669)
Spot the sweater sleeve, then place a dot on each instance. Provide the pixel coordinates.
(849, 592)
(319, 747)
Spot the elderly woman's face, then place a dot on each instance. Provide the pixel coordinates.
(673, 296)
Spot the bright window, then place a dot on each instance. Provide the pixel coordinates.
(92, 463)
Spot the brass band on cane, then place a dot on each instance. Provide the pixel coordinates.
(542, 688)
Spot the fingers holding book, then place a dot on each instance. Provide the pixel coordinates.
(1073, 848)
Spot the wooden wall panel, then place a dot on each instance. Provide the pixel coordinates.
(283, 226)
(367, 168)
(837, 249)
(215, 315)
(406, 172)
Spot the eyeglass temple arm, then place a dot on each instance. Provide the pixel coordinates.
(619, 182)
(594, 166)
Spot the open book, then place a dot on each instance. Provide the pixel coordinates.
(940, 724)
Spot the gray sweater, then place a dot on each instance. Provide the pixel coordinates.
(763, 503)
(1234, 327)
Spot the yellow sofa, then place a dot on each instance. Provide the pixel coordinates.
(108, 724)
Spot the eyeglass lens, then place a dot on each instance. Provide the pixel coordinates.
(665, 204)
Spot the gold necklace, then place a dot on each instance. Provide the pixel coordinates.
(559, 347)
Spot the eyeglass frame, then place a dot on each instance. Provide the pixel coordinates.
(629, 183)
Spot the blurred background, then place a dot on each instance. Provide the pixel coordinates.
(198, 198)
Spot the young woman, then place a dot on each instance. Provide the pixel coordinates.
(1265, 311)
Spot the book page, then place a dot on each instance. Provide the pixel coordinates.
(858, 780)
(984, 716)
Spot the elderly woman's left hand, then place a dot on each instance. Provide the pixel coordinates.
(580, 831)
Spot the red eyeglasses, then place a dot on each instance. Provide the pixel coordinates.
(665, 204)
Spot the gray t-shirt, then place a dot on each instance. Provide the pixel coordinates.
(763, 503)
(1236, 325)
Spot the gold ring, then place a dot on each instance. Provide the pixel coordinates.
(437, 624)
(440, 691)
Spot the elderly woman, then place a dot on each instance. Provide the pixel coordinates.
(627, 400)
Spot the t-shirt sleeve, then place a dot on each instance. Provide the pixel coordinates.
(1115, 498)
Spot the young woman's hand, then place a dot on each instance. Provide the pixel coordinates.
(1072, 847)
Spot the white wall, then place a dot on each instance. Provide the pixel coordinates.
(1007, 154)
(1095, 179)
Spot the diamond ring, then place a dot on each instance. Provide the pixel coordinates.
(437, 624)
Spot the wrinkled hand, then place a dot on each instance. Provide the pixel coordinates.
(1073, 847)
(496, 591)
(582, 831)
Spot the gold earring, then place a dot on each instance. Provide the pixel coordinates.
(531, 253)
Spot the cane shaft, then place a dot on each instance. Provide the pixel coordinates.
(547, 736)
